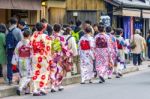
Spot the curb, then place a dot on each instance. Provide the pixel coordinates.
(11, 90)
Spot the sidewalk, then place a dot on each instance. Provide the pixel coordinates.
(6, 90)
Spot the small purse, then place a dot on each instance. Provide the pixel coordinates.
(132, 44)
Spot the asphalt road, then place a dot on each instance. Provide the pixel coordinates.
(131, 86)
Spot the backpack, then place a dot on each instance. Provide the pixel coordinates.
(119, 44)
(11, 41)
(85, 45)
(56, 45)
(76, 36)
(24, 51)
(101, 42)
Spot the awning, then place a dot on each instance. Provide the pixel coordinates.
(128, 12)
(146, 13)
(21, 4)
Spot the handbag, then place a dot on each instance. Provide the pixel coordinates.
(132, 44)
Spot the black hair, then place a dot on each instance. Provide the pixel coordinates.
(26, 33)
(67, 31)
(108, 29)
(22, 22)
(88, 29)
(57, 27)
(101, 28)
(95, 25)
(71, 22)
(39, 26)
(13, 21)
(49, 29)
(2, 28)
(119, 31)
(43, 20)
(88, 22)
(78, 23)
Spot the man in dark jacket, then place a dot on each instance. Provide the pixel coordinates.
(10, 46)
(22, 25)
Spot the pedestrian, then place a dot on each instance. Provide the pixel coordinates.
(22, 25)
(95, 27)
(3, 51)
(89, 23)
(41, 60)
(12, 38)
(138, 40)
(114, 50)
(77, 33)
(102, 53)
(57, 73)
(148, 44)
(86, 50)
(22, 59)
(71, 43)
(121, 53)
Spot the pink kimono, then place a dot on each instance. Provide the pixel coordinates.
(102, 53)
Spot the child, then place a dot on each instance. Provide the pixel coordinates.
(21, 58)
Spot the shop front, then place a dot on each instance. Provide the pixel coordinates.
(28, 10)
(130, 15)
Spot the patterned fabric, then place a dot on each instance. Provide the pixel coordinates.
(41, 59)
(24, 64)
(86, 59)
(102, 55)
(121, 55)
(57, 72)
(114, 51)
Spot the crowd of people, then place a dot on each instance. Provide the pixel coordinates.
(45, 55)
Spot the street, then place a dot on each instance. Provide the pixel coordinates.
(133, 85)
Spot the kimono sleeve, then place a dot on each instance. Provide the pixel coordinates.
(15, 57)
(48, 42)
(73, 46)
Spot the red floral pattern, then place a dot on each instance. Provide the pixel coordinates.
(41, 84)
(37, 72)
(39, 59)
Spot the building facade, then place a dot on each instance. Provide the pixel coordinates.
(29, 10)
(64, 11)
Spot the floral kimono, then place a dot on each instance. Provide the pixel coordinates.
(22, 59)
(102, 53)
(121, 53)
(86, 51)
(57, 72)
(41, 60)
(114, 51)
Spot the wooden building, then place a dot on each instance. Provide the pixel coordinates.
(28, 10)
(63, 11)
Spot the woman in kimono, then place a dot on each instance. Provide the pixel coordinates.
(86, 48)
(22, 59)
(41, 60)
(114, 50)
(57, 72)
(121, 52)
(102, 53)
(70, 42)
